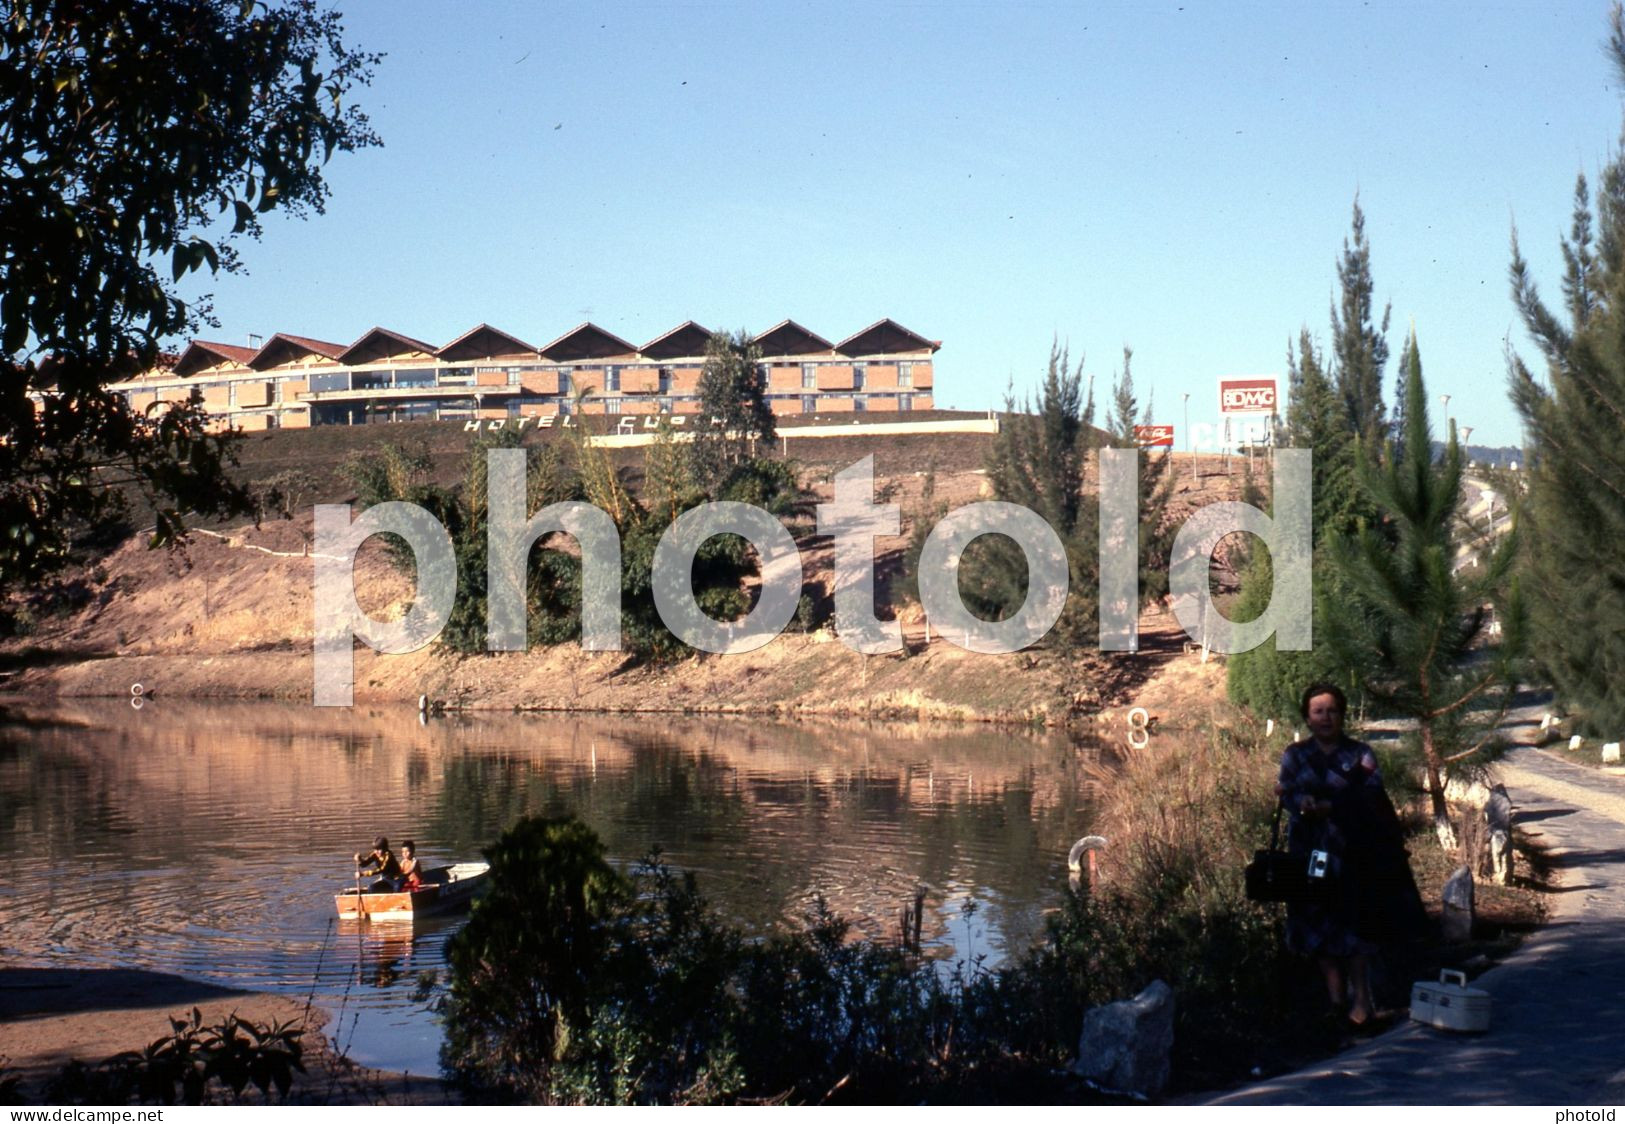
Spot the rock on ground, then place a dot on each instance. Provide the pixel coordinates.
(1125, 1046)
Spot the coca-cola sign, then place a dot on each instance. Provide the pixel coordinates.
(1154, 436)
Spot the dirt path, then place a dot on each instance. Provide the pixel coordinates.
(1557, 1002)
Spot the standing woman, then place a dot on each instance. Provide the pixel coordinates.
(1331, 787)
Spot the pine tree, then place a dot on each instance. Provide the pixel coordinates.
(1042, 446)
(1574, 421)
(1423, 590)
(1038, 461)
(1359, 345)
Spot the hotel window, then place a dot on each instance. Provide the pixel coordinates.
(809, 403)
(809, 376)
(905, 374)
(665, 405)
(612, 405)
(665, 381)
(905, 401)
(860, 404)
(857, 376)
(612, 378)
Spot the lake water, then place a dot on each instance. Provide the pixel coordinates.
(207, 839)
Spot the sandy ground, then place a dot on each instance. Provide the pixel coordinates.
(49, 1016)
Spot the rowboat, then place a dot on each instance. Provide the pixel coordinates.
(444, 888)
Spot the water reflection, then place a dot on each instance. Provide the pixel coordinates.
(209, 839)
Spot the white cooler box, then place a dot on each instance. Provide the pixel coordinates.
(1450, 1004)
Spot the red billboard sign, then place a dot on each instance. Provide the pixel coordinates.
(1247, 396)
(1154, 436)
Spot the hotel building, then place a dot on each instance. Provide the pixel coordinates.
(295, 382)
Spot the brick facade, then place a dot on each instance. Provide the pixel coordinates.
(294, 381)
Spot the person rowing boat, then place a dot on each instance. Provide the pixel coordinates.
(382, 862)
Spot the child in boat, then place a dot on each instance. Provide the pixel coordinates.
(411, 866)
(382, 862)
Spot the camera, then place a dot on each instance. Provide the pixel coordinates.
(1317, 864)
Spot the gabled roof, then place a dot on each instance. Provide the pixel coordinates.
(789, 338)
(379, 344)
(200, 354)
(482, 343)
(586, 341)
(687, 339)
(885, 337)
(282, 347)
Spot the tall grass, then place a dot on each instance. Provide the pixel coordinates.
(1182, 822)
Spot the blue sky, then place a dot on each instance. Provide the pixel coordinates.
(1177, 177)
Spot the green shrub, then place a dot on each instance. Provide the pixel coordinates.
(529, 966)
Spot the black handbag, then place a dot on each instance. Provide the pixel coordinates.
(1277, 876)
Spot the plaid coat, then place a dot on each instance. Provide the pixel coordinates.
(1329, 928)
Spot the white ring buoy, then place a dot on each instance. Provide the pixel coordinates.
(136, 702)
(137, 689)
(1074, 857)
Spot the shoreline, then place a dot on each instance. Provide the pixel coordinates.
(51, 1015)
(796, 676)
(804, 676)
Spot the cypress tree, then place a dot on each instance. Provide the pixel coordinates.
(1359, 345)
(1334, 412)
(1154, 486)
(1125, 406)
(1316, 420)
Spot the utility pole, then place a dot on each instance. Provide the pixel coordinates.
(1190, 455)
